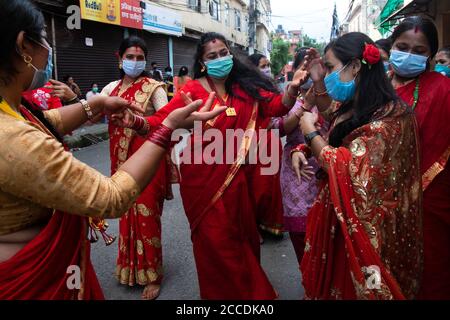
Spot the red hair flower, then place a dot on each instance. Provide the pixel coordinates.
(371, 55)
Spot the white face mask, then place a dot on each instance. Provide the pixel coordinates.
(132, 68)
(267, 71)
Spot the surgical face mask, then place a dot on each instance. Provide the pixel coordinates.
(406, 64)
(220, 68)
(267, 71)
(133, 69)
(443, 69)
(339, 90)
(95, 90)
(168, 73)
(386, 66)
(41, 77)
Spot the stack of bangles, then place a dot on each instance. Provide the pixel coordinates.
(161, 136)
(140, 125)
(302, 148)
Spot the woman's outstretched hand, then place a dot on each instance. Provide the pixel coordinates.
(186, 117)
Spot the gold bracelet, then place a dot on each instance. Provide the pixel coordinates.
(87, 109)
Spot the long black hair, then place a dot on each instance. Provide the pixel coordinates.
(446, 51)
(243, 73)
(129, 42)
(373, 89)
(256, 58)
(419, 23)
(299, 57)
(385, 44)
(184, 71)
(17, 16)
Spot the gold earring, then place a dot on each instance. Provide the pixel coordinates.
(120, 65)
(27, 60)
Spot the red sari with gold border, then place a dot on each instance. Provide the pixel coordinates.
(218, 202)
(433, 116)
(364, 235)
(39, 270)
(140, 252)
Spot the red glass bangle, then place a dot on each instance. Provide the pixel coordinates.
(302, 148)
(162, 136)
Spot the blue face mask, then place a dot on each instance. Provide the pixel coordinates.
(406, 64)
(41, 77)
(386, 66)
(443, 69)
(339, 90)
(133, 69)
(220, 68)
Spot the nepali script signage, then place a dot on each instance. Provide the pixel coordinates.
(162, 20)
(125, 13)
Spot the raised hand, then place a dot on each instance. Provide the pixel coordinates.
(61, 90)
(314, 65)
(185, 117)
(301, 76)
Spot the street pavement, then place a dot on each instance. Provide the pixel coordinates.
(180, 276)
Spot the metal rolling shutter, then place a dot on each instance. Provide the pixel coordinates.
(86, 64)
(184, 51)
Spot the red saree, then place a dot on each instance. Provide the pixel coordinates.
(39, 270)
(140, 253)
(266, 189)
(433, 116)
(367, 215)
(219, 206)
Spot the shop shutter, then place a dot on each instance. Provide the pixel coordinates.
(87, 64)
(184, 50)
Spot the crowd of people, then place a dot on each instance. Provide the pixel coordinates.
(362, 187)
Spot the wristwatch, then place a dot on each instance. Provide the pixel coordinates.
(310, 136)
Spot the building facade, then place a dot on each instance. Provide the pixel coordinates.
(362, 16)
(171, 30)
(436, 10)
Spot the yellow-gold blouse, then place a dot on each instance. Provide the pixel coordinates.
(37, 175)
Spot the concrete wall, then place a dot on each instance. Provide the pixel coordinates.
(203, 22)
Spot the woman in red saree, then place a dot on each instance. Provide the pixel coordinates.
(363, 238)
(428, 93)
(46, 194)
(140, 252)
(216, 187)
(267, 188)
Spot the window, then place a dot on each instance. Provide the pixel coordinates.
(195, 5)
(237, 19)
(227, 14)
(214, 9)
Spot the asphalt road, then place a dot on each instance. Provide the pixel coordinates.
(180, 282)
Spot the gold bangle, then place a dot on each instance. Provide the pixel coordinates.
(87, 109)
